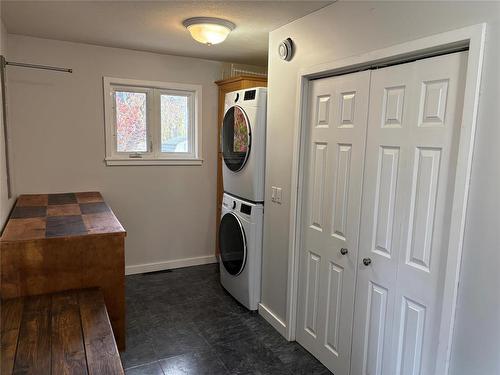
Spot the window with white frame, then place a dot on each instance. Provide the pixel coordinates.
(150, 123)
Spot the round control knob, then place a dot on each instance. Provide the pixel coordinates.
(234, 205)
(367, 261)
(344, 251)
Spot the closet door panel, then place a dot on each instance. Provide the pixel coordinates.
(411, 148)
(336, 134)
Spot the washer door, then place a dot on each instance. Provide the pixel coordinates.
(232, 243)
(236, 138)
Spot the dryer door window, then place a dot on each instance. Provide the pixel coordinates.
(236, 138)
(233, 244)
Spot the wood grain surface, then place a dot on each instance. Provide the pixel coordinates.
(60, 215)
(65, 333)
(78, 244)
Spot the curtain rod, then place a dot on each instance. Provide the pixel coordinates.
(34, 66)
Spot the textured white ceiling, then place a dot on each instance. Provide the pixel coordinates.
(156, 26)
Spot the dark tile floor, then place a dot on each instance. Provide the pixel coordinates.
(184, 322)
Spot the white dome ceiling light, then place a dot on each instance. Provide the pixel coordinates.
(208, 30)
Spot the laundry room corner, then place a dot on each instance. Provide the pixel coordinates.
(305, 187)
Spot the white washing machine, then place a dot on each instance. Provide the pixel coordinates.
(243, 143)
(240, 244)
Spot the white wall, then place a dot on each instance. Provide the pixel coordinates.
(350, 28)
(58, 144)
(5, 202)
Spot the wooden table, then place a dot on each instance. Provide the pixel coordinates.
(63, 333)
(56, 242)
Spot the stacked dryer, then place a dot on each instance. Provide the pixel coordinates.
(243, 144)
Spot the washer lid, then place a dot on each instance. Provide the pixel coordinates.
(236, 138)
(232, 244)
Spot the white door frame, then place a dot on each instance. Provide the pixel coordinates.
(472, 37)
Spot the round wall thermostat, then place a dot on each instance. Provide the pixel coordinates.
(285, 49)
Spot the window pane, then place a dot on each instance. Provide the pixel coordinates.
(131, 127)
(174, 123)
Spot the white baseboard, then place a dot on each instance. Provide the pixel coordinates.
(169, 264)
(272, 319)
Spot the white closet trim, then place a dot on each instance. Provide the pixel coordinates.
(472, 37)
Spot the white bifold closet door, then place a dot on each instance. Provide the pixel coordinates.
(332, 192)
(413, 131)
(378, 312)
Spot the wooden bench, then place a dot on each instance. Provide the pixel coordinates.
(57, 242)
(60, 333)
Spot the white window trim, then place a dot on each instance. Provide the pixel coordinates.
(153, 156)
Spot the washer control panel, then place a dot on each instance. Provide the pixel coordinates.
(246, 209)
(231, 203)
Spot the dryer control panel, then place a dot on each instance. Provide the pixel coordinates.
(249, 95)
(254, 97)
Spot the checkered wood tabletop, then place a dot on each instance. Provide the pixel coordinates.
(58, 242)
(40, 216)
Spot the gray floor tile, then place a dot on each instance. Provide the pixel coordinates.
(249, 356)
(172, 340)
(139, 348)
(148, 369)
(186, 323)
(194, 363)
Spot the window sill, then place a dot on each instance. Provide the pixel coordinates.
(122, 161)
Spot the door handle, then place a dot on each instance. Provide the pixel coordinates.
(367, 261)
(344, 251)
